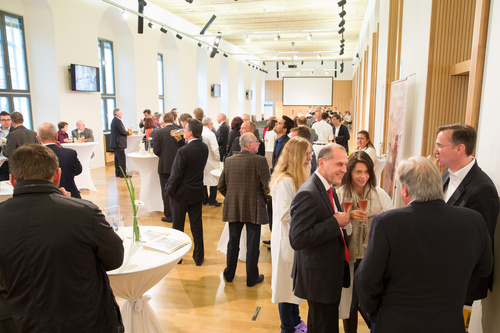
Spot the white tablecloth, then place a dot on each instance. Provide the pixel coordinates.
(150, 190)
(84, 151)
(224, 239)
(133, 142)
(142, 269)
(2, 159)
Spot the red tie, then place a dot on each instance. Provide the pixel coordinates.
(330, 194)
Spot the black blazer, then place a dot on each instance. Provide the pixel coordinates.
(118, 134)
(477, 192)
(222, 136)
(186, 177)
(276, 154)
(319, 266)
(70, 167)
(17, 137)
(416, 266)
(343, 137)
(165, 147)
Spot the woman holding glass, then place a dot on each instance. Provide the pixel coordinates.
(366, 145)
(291, 171)
(359, 191)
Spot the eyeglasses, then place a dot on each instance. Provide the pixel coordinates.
(440, 146)
(4, 119)
(309, 153)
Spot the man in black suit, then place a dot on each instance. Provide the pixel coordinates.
(18, 135)
(185, 185)
(321, 262)
(340, 132)
(68, 159)
(466, 185)
(165, 147)
(222, 135)
(420, 258)
(118, 142)
(5, 127)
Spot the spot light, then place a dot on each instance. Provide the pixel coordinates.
(277, 38)
(341, 24)
(124, 14)
(321, 62)
(310, 36)
(162, 29)
(225, 55)
(178, 36)
(341, 3)
(247, 39)
(302, 62)
(341, 31)
(342, 14)
(319, 56)
(150, 24)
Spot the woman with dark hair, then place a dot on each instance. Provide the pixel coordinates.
(234, 132)
(270, 134)
(359, 185)
(366, 145)
(62, 136)
(149, 125)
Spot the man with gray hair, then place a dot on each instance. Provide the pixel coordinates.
(246, 117)
(245, 184)
(82, 132)
(420, 258)
(68, 158)
(247, 126)
(119, 142)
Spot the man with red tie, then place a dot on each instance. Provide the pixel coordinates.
(320, 267)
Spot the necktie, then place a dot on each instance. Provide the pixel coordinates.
(346, 250)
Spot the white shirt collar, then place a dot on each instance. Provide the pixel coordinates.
(323, 180)
(460, 174)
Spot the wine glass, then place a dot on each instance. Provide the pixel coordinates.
(347, 204)
(363, 203)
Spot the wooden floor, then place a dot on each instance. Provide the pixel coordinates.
(196, 299)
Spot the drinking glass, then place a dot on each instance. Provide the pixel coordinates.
(347, 204)
(363, 203)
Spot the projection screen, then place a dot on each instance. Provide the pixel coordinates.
(307, 91)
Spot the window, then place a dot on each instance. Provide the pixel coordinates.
(108, 93)
(14, 87)
(161, 89)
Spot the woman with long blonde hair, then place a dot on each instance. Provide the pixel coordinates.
(291, 171)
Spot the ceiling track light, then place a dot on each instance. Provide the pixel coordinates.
(341, 31)
(319, 56)
(312, 72)
(142, 3)
(199, 45)
(310, 36)
(277, 38)
(264, 63)
(124, 14)
(341, 3)
(321, 62)
(283, 63)
(178, 36)
(342, 45)
(225, 55)
(162, 29)
(342, 14)
(302, 62)
(247, 39)
(341, 52)
(341, 24)
(342, 40)
(189, 1)
(150, 24)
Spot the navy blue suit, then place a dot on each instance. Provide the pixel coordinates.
(70, 167)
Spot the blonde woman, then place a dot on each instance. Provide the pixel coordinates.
(291, 171)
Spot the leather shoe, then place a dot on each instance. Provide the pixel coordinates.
(180, 262)
(199, 263)
(166, 219)
(225, 277)
(215, 204)
(259, 280)
(267, 242)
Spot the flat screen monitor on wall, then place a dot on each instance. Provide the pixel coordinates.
(308, 91)
(84, 78)
(215, 90)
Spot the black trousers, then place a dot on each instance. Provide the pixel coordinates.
(179, 207)
(323, 318)
(253, 252)
(212, 197)
(120, 161)
(166, 198)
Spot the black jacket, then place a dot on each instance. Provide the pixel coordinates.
(118, 134)
(55, 252)
(70, 167)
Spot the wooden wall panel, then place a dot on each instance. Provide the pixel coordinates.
(452, 23)
(373, 85)
(342, 95)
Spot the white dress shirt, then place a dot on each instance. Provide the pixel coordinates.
(324, 131)
(456, 178)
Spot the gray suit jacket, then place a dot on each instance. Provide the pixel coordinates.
(319, 266)
(88, 134)
(18, 137)
(245, 184)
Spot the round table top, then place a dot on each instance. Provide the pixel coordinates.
(141, 155)
(140, 259)
(6, 188)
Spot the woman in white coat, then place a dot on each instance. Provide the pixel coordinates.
(213, 162)
(291, 171)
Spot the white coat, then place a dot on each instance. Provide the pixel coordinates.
(213, 160)
(281, 251)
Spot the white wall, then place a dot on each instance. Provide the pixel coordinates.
(61, 32)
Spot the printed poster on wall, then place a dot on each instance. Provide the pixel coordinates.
(394, 133)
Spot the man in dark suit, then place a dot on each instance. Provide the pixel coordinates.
(5, 128)
(466, 185)
(185, 185)
(420, 258)
(321, 262)
(119, 142)
(244, 183)
(246, 127)
(68, 159)
(18, 135)
(340, 132)
(222, 134)
(165, 147)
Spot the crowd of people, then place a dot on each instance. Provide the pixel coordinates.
(336, 242)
